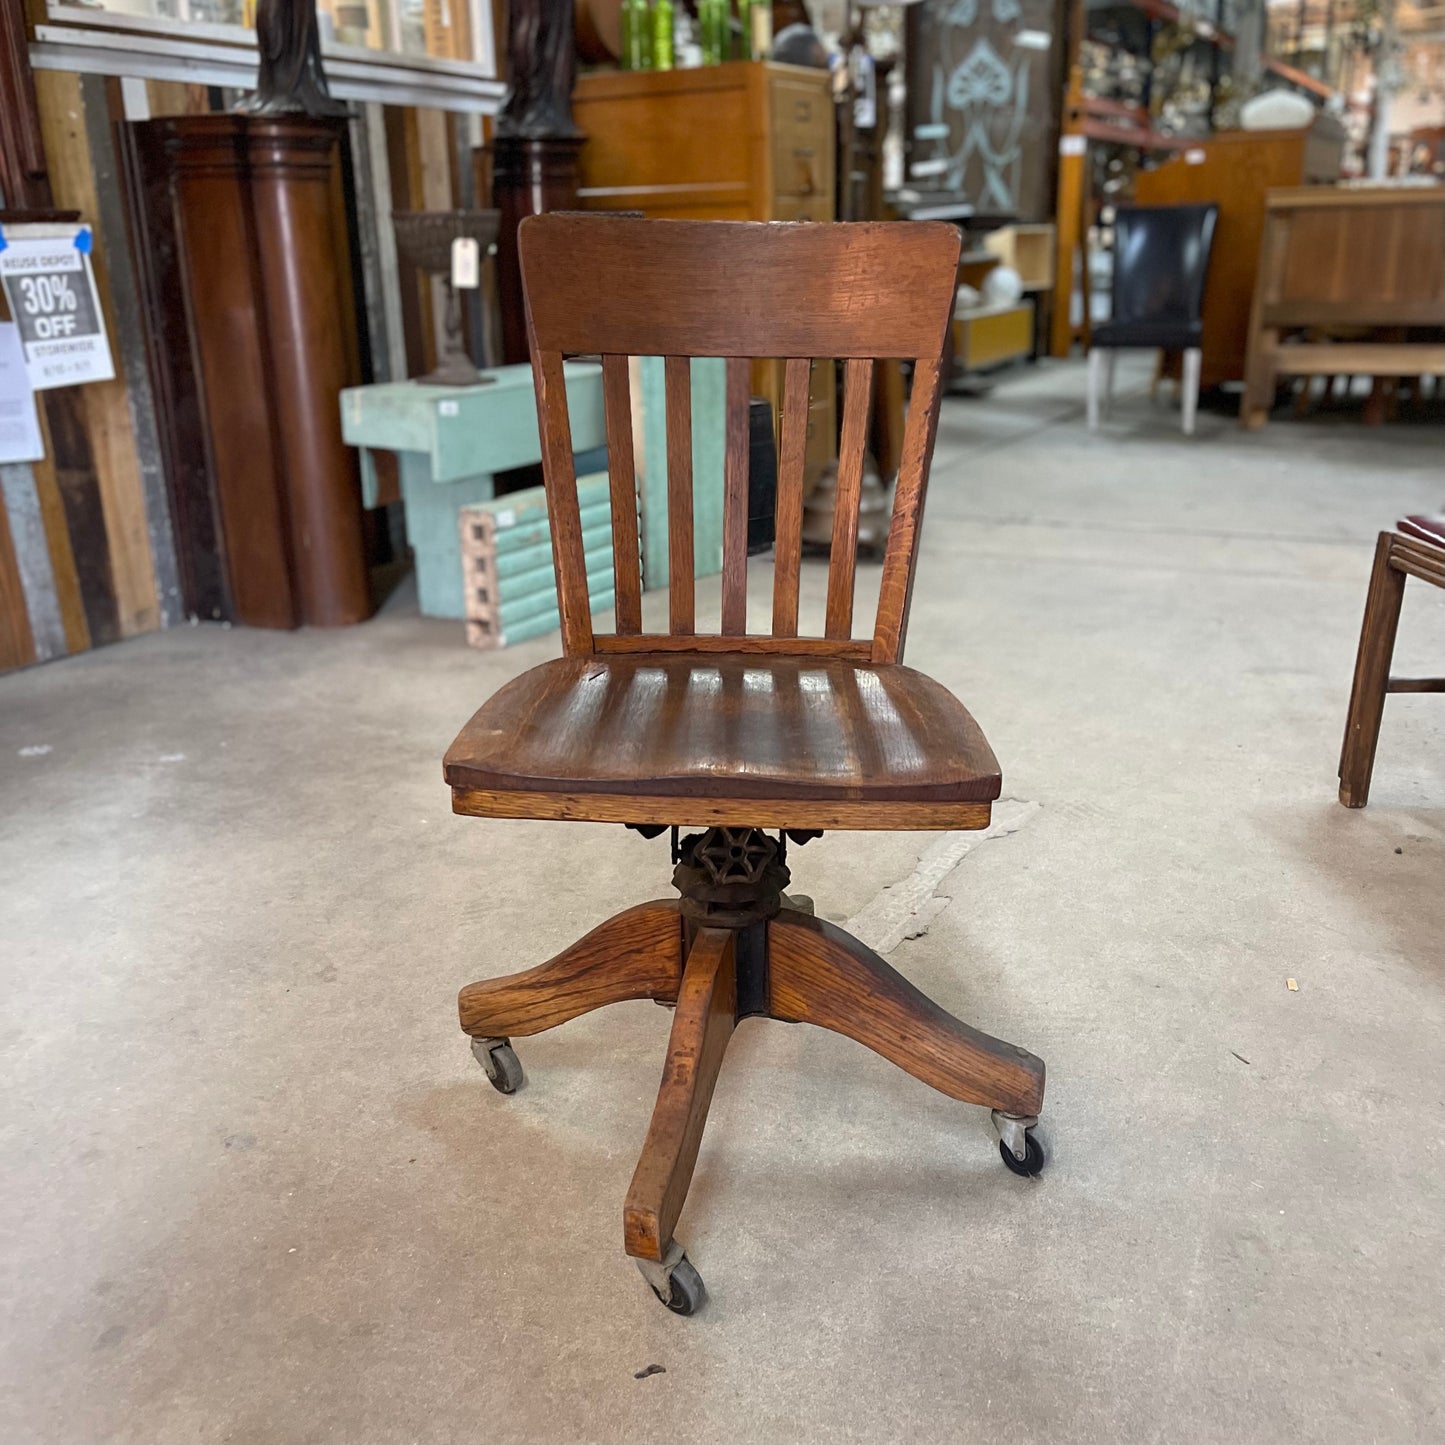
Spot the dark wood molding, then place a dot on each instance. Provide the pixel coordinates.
(251, 308)
(24, 182)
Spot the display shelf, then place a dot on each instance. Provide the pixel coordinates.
(1209, 33)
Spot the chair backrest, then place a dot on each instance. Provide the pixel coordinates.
(1161, 255)
(617, 287)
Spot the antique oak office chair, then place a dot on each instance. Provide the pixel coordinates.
(737, 733)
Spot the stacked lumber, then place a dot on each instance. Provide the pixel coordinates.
(508, 579)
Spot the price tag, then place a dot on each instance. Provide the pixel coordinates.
(1072, 145)
(1195, 156)
(448, 408)
(46, 272)
(466, 264)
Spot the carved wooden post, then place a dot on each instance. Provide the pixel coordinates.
(241, 224)
(535, 149)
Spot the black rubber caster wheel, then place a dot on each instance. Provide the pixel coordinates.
(685, 1294)
(1032, 1164)
(503, 1067)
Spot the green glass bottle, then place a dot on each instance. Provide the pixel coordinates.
(705, 32)
(638, 19)
(624, 50)
(745, 32)
(710, 21)
(662, 35)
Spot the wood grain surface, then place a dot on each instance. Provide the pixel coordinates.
(843, 554)
(900, 558)
(701, 1028)
(725, 726)
(680, 589)
(1396, 556)
(622, 474)
(735, 500)
(820, 975)
(788, 513)
(728, 288)
(672, 288)
(603, 807)
(759, 646)
(563, 513)
(637, 954)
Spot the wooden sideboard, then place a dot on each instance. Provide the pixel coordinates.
(1235, 170)
(745, 141)
(1351, 281)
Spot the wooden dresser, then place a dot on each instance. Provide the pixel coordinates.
(1236, 169)
(745, 141)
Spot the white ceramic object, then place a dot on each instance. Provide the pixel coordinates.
(1003, 286)
(1276, 110)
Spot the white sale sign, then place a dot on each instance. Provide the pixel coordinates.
(46, 271)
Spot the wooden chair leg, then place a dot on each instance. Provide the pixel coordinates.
(1372, 675)
(637, 954)
(818, 974)
(701, 1028)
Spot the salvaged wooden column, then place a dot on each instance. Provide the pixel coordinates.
(241, 222)
(535, 149)
(528, 177)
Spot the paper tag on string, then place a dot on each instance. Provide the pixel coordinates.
(466, 263)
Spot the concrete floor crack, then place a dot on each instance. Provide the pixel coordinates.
(905, 909)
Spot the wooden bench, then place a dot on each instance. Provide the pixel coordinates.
(1339, 263)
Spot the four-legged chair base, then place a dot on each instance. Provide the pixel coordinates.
(729, 949)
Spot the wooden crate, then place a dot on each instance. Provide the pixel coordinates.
(508, 581)
(1029, 250)
(990, 335)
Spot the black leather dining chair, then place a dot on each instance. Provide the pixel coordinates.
(1161, 259)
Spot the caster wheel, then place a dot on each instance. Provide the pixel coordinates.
(1028, 1166)
(498, 1058)
(685, 1294)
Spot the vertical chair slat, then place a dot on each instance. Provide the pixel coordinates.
(788, 512)
(563, 513)
(678, 375)
(843, 556)
(735, 500)
(896, 589)
(622, 472)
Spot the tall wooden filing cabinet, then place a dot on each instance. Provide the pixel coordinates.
(745, 141)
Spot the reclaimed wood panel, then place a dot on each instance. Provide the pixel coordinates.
(105, 408)
(17, 647)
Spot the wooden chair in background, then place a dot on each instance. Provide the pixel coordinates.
(1415, 549)
(739, 732)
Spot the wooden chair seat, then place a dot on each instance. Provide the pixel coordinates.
(778, 738)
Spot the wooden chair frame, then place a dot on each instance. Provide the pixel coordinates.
(734, 945)
(1397, 555)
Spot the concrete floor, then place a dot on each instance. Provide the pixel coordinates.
(256, 1190)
